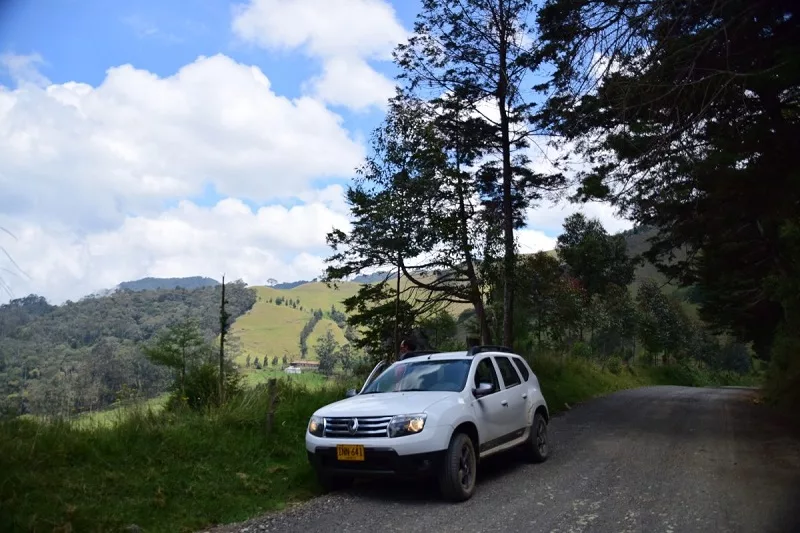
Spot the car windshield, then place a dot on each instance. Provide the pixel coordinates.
(448, 375)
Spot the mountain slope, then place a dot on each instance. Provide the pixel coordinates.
(271, 328)
(152, 284)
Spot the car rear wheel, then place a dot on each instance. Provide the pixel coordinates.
(537, 446)
(458, 470)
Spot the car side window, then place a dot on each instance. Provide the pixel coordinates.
(510, 376)
(485, 373)
(522, 368)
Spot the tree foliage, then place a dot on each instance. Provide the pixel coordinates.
(372, 311)
(179, 347)
(689, 114)
(414, 208)
(327, 350)
(595, 258)
(480, 54)
(85, 352)
(308, 328)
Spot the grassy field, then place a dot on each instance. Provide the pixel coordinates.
(161, 472)
(114, 416)
(271, 329)
(184, 471)
(311, 380)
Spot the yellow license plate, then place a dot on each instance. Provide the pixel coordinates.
(350, 452)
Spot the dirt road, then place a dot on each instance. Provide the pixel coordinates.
(658, 459)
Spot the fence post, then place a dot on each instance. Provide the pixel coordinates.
(272, 392)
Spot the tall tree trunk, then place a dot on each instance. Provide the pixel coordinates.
(397, 310)
(223, 323)
(508, 212)
(474, 287)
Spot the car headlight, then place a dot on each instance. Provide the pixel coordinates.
(406, 425)
(316, 426)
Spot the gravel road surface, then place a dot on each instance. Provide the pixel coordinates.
(656, 459)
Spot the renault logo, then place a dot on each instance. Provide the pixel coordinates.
(352, 426)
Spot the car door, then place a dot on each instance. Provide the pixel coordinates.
(515, 394)
(489, 409)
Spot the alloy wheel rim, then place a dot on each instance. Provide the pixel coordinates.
(541, 438)
(465, 468)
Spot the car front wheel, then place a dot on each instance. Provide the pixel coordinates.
(459, 468)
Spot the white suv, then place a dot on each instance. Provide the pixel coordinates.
(434, 413)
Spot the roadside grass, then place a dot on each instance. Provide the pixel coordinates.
(573, 380)
(160, 471)
(568, 382)
(183, 471)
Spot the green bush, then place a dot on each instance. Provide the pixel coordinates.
(580, 350)
(201, 388)
(782, 380)
(615, 364)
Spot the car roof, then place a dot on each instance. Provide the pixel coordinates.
(463, 354)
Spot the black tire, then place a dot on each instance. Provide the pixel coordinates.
(331, 483)
(537, 446)
(457, 473)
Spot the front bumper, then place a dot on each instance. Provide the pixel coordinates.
(378, 461)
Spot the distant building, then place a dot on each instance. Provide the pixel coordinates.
(292, 370)
(306, 365)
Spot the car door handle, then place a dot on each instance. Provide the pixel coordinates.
(504, 403)
(525, 396)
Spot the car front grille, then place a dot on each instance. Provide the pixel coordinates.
(366, 427)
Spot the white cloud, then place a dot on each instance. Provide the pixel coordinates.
(23, 68)
(88, 155)
(88, 175)
(352, 83)
(344, 34)
(325, 28)
(229, 237)
(550, 216)
(531, 241)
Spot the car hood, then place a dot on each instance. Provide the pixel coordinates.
(385, 404)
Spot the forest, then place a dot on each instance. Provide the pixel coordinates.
(593, 299)
(86, 355)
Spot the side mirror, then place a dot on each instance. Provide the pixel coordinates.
(482, 390)
(350, 393)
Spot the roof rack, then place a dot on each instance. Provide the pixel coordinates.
(475, 350)
(416, 353)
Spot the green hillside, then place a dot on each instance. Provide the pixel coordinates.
(272, 329)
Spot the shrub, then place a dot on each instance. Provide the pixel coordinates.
(580, 350)
(782, 382)
(614, 364)
(201, 389)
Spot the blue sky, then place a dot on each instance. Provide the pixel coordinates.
(80, 39)
(224, 146)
